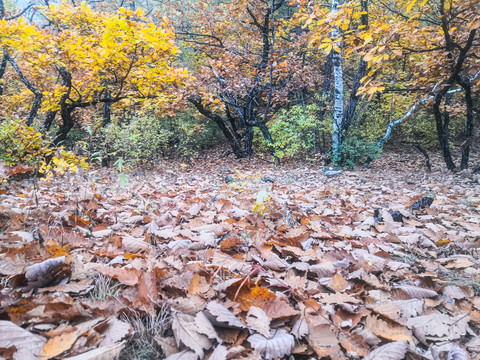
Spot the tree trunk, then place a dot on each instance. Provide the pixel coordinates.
(235, 141)
(3, 66)
(37, 101)
(442, 121)
(349, 114)
(338, 94)
(107, 110)
(65, 109)
(467, 86)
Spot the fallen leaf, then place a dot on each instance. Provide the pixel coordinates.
(185, 331)
(27, 345)
(257, 320)
(279, 344)
(391, 351)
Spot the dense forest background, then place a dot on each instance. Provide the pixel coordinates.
(135, 81)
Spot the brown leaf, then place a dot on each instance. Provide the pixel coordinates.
(322, 336)
(440, 327)
(279, 344)
(257, 320)
(101, 353)
(387, 330)
(412, 292)
(185, 331)
(115, 331)
(61, 343)
(223, 315)
(391, 351)
(27, 345)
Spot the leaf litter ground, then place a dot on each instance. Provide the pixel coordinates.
(240, 260)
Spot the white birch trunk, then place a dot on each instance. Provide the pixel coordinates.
(338, 93)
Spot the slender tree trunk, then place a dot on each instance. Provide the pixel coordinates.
(48, 121)
(349, 114)
(107, 110)
(338, 94)
(3, 66)
(37, 101)
(467, 86)
(442, 121)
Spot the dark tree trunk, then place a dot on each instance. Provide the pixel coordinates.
(467, 86)
(235, 141)
(3, 66)
(37, 101)
(66, 109)
(48, 121)
(349, 114)
(442, 121)
(107, 110)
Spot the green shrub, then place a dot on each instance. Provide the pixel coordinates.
(294, 129)
(356, 150)
(145, 139)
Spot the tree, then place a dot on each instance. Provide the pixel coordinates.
(85, 58)
(246, 62)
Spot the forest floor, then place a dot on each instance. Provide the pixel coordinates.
(239, 259)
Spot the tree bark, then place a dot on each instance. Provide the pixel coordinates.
(107, 110)
(442, 122)
(354, 99)
(467, 86)
(338, 94)
(37, 101)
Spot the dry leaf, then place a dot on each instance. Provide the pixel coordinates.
(412, 292)
(42, 274)
(387, 330)
(115, 331)
(457, 353)
(185, 331)
(258, 321)
(183, 355)
(205, 327)
(391, 351)
(440, 327)
(27, 345)
(62, 343)
(223, 315)
(278, 345)
(101, 353)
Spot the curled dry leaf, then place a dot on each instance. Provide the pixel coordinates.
(27, 345)
(278, 345)
(223, 315)
(42, 273)
(457, 353)
(391, 351)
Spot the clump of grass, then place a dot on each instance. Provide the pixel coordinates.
(146, 328)
(104, 288)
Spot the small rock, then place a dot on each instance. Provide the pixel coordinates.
(331, 171)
